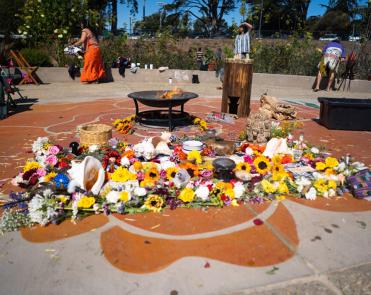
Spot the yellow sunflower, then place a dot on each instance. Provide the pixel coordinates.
(320, 185)
(331, 162)
(276, 159)
(194, 156)
(171, 172)
(320, 166)
(187, 195)
(124, 196)
(331, 184)
(230, 193)
(48, 177)
(147, 183)
(192, 169)
(278, 172)
(122, 174)
(137, 165)
(262, 164)
(86, 202)
(267, 186)
(223, 186)
(31, 165)
(152, 175)
(154, 203)
(203, 124)
(282, 188)
(196, 120)
(243, 166)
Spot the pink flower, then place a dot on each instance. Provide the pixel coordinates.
(41, 172)
(51, 160)
(53, 150)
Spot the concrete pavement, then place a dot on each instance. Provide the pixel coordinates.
(303, 247)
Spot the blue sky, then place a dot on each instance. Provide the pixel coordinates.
(315, 8)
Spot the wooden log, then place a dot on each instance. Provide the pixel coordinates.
(237, 86)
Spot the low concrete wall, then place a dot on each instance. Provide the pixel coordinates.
(54, 74)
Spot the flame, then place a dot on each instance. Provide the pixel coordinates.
(170, 94)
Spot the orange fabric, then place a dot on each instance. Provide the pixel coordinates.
(93, 65)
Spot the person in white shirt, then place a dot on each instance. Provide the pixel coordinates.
(242, 41)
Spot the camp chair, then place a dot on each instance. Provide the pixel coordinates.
(24, 65)
(348, 73)
(9, 76)
(6, 100)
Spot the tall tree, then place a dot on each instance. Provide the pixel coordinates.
(286, 15)
(9, 18)
(132, 4)
(210, 13)
(49, 19)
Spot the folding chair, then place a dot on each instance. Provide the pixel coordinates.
(9, 86)
(24, 65)
(6, 100)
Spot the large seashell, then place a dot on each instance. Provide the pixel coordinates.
(145, 149)
(276, 146)
(163, 149)
(88, 174)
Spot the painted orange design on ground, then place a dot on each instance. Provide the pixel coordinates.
(67, 229)
(254, 246)
(184, 221)
(337, 204)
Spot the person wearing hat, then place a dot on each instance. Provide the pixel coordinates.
(332, 54)
(242, 41)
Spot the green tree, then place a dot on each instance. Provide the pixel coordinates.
(209, 13)
(49, 20)
(178, 24)
(281, 15)
(113, 7)
(9, 16)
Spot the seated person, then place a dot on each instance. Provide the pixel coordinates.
(333, 52)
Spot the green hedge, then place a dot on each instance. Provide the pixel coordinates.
(36, 57)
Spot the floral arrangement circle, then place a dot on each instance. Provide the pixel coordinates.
(123, 178)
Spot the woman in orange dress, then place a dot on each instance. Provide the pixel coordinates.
(93, 70)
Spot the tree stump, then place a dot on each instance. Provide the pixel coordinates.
(237, 86)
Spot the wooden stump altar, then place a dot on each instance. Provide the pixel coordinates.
(237, 86)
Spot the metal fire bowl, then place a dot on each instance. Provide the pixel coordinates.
(153, 98)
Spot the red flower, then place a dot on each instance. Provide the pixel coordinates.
(63, 164)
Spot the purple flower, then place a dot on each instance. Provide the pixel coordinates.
(173, 203)
(207, 174)
(113, 142)
(163, 174)
(248, 159)
(140, 175)
(257, 200)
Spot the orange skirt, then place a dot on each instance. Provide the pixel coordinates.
(93, 65)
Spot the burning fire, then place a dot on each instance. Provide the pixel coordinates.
(170, 94)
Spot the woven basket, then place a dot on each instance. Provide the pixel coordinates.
(98, 134)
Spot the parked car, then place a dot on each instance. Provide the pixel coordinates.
(355, 38)
(329, 37)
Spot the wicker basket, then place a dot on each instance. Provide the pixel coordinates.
(98, 134)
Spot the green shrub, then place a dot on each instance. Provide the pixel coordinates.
(36, 57)
(295, 56)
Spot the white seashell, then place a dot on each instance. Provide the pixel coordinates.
(276, 146)
(163, 149)
(145, 149)
(88, 174)
(165, 136)
(167, 164)
(237, 159)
